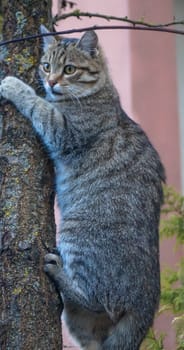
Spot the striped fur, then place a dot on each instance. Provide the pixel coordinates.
(108, 179)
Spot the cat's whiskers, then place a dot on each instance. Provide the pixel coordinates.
(74, 97)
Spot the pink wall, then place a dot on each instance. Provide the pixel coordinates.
(154, 89)
(154, 100)
(143, 67)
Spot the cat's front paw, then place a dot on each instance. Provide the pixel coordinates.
(8, 87)
(53, 265)
(12, 88)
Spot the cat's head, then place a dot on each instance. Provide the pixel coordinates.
(72, 68)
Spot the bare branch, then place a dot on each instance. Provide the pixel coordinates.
(78, 14)
(65, 3)
(84, 29)
(31, 37)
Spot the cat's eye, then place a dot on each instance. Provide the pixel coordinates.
(69, 69)
(46, 67)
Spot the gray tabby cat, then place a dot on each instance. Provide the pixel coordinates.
(108, 178)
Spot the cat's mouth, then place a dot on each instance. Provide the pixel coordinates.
(56, 92)
(53, 90)
(54, 96)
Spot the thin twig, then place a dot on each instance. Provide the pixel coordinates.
(154, 29)
(65, 3)
(78, 14)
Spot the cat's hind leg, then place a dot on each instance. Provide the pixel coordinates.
(89, 326)
(90, 329)
(127, 334)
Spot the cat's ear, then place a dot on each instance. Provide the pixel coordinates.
(47, 40)
(89, 43)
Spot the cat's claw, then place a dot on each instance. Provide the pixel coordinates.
(53, 264)
(52, 259)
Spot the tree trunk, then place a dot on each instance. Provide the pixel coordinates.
(29, 304)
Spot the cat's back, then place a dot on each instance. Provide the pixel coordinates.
(129, 172)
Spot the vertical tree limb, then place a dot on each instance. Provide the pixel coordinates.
(29, 305)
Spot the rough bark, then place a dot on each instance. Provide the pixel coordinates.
(29, 304)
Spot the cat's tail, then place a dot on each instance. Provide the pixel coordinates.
(127, 334)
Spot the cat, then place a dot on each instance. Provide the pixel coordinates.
(109, 192)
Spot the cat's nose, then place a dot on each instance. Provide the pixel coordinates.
(52, 83)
